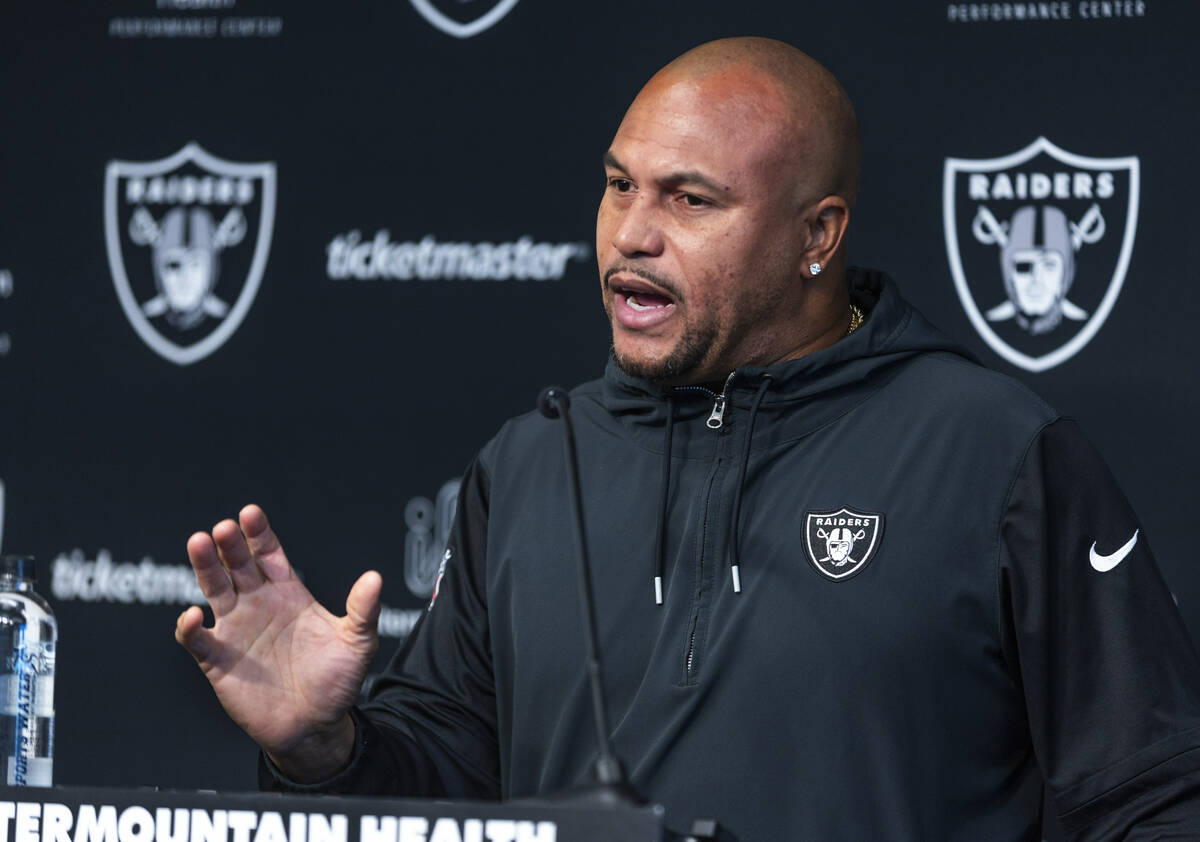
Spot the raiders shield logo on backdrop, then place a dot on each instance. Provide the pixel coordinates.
(463, 18)
(1039, 242)
(841, 543)
(188, 238)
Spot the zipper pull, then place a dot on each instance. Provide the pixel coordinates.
(717, 418)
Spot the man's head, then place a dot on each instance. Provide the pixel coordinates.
(734, 169)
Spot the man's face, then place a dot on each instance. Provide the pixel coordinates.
(698, 237)
(1037, 279)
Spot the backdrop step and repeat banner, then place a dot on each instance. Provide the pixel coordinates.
(311, 255)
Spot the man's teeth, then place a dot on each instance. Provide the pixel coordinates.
(632, 301)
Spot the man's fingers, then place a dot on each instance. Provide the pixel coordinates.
(236, 555)
(210, 573)
(362, 605)
(192, 636)
(264, 544)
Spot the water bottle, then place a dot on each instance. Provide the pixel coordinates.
(28, 633)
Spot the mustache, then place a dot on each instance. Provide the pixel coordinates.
(658, 280)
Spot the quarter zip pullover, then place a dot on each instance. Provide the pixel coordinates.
(878, 618)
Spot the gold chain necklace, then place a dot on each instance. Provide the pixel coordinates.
(856, 318)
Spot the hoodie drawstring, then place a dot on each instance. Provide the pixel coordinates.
(660, 548)
(737, 494)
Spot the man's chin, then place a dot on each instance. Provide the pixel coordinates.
(676, 365)
(671, 370)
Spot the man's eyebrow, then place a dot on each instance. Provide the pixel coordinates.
(674, 179)
(611, 162)
(678, 179)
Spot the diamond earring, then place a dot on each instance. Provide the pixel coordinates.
(814, 268)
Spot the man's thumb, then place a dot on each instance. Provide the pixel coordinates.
(362, 605)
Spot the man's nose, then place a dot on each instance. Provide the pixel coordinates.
(638, 232)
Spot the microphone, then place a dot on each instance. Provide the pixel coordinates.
(610, 773)
(612, 785)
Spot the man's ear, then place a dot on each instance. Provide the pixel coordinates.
(825, 227)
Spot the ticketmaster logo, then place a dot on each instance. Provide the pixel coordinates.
(75, 577)
(428, 260)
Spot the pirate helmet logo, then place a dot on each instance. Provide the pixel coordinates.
(840, 543)
(188, 238)
(186, 248)
(449, 17)
(1048, 214)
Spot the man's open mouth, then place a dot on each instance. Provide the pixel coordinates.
(646, 301)
(641, 295)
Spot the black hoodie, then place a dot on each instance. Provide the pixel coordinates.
(917, 632)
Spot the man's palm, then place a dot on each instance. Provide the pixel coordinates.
(285, 669)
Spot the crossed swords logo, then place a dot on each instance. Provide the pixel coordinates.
(990, 231)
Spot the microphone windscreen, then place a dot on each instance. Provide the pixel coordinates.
(549, 398)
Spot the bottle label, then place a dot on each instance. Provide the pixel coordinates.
(29, 701)
(37, 771)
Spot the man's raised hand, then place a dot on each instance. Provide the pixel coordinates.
(286, 670)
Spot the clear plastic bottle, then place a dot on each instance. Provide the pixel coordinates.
(28, 635)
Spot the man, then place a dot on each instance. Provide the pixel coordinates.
(764, 403)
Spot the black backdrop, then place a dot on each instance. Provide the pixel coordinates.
(337, 400)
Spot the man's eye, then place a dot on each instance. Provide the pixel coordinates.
(694, 201)
(621, 185)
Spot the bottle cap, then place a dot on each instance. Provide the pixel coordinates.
(18, 568)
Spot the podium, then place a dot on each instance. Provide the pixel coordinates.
(96, 814)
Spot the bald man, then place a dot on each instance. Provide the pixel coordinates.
(850, 584)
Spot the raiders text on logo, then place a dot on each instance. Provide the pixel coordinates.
(1062, 228)
(446, 17)
(840, 543)
(188, 238)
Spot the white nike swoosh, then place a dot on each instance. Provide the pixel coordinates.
(1105, 563)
